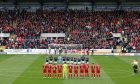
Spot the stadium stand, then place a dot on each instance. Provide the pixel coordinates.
(95, 29)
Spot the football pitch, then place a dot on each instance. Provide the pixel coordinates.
(27, 69)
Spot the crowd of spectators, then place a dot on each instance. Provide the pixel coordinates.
(92, 29)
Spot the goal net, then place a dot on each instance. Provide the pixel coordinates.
(65, 49)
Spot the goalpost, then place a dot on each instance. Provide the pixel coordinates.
(65, 49)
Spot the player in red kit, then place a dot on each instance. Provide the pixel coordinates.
(59, 66)
(82, 70)
(75, 70)
(93, 70)
(70, 70)
(86, 70)
(44, 70)
(54, 67)
(98, 70)
(49, 70)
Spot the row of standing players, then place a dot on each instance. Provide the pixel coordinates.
(74, 70)
(68, 60)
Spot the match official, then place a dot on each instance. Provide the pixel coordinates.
(135, 66)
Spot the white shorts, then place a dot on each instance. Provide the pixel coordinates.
(87, 62)
(75, 62)
(47, 62)
(68, 62)
(83, 61)
(64, 61)
(51, 62)
(79, 62)
(55, 62)
(71, 62)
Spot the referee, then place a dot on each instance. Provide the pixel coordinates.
(135, 66)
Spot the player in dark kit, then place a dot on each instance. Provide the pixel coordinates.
(79, 61)
(55, 60)
(87, 60)
(75, 60)
(135, 66)
(51, 59)
(83, 59)
(64, 59)
(72, 59)
(68, 60)
(47, 61)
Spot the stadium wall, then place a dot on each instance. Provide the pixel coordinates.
(99, 52)
(46, 51)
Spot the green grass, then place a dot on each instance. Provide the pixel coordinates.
(27, 69)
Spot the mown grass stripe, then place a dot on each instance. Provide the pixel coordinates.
(33, 74)
(105, 79)
(114, 64)
(134, 78)
(4, 57)
(16, 63)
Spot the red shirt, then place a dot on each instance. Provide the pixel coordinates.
(76, 68)
(70, 68)
(81, 67)
(54, 67)
(49, 67)
(98, 68)
(86, 67)
(44, 67)
(93, 68)
(59, 68)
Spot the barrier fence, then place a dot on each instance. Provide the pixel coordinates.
(101, 52)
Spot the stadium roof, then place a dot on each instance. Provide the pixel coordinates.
(69, 0)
